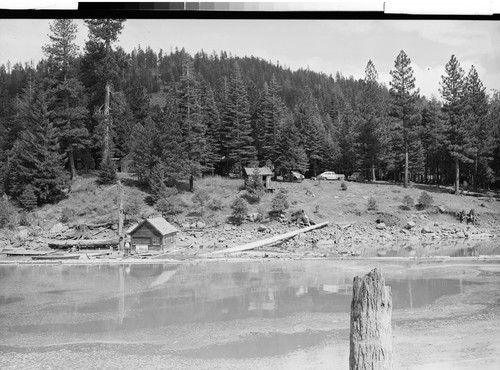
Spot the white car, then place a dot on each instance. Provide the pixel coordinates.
(330, 175)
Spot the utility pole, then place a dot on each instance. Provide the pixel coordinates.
(120, 215)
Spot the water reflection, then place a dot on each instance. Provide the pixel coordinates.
(116, 298)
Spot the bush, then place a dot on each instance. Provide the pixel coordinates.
(201, 197)
(240, 210)
(254, 185)
(170, 206)
(8, 214)
(343, 185)
(372, 204)
(425, 200)
(28, 198)
(407, 202)
(280, 202)
(132, 206)
(316, 208)
(25, 219)
(215, 205)
(66, 215)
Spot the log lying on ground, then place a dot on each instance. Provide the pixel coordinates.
(82, 243)
(371, 333)
(269, 241)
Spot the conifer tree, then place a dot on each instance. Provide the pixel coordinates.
(476, 110)
(102, 64)
(67, 103)
(191, 121)
(458, 138)
(434, 137)
(212, 122)
(291, 154)
(371, 142)
(269, 118)
(403, 108)
(237, 131)
(35, 158)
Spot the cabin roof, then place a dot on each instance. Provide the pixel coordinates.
(159, 223)
(263, 171)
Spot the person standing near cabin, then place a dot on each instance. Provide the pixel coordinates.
(127, 245)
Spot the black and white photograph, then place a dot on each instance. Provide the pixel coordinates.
(249, 186)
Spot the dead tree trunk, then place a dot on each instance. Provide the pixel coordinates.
(371, 334)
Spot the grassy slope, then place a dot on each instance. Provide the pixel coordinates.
(89, 203)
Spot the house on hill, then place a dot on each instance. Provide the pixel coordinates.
(152, 234)
(264, 172)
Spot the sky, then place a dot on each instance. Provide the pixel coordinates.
(325, 46)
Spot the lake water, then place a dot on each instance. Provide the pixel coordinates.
(203, 315)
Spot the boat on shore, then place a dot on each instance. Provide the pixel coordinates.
(57, 256)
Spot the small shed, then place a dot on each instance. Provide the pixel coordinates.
(264, 172)
(152, 234)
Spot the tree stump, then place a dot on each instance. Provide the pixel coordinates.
(371, 333)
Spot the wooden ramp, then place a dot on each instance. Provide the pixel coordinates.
(269, 241)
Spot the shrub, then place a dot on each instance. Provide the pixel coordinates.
(425, 200)
(215, 205)
(316, 208)
(343, 185)
(201, 197)
(8, 214)
(254, 185)
(407, 202)
(25, 219)
(240, 210)
(132, 206)
(107, 173)
(28, 198)
(66, 215)
(372, 204)
(280, 202)
(170, 206)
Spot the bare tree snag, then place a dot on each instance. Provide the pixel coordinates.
(371, 333)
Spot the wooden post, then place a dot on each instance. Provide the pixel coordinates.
(371, 333)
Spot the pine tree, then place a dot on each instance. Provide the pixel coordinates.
(476, 110)
(66, 91)
(458, 138)
(237, 129)
(35, 158)
(433, 138)
(404, 97)
(269, 119)
(191, 121)
(291, 154)
(371, 141)
(212, 121)
(102, 63)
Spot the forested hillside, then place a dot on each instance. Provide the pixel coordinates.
(178, 116)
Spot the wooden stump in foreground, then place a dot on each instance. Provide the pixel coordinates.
(371, 333)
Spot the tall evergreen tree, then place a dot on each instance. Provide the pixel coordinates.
(291, 154)
(191, 121)
(476, 111)
(35, 158)
(67, 105)
(403, 107)
(371, 138)
(269, 119)
(102, 63)
(458, 138)
(237, 130)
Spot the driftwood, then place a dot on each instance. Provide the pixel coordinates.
(269, 241)
(371, 333)
(82, 243)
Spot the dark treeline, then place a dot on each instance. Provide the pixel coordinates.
(179, 116)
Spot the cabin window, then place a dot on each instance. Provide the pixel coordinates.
(156, 240)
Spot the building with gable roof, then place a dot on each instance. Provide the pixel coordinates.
(152, 234)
